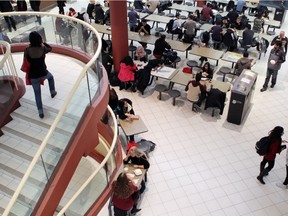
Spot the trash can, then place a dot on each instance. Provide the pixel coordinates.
(280, 14)
(241, 96)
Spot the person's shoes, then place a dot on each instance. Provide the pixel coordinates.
(272, 85)
(260, 179)
(263, 89)
(280, 185)
(53, 94)
(135, 210)
(41, 115)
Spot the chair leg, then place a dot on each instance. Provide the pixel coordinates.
(174, 101)
(160, 95)
(213, 112)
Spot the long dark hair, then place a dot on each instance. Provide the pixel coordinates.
(35, 39)
(127, 61)
(209, 67)
(276, 133)
(122, 187)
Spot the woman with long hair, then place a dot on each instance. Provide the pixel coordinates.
(126, 72)
(139, 160)
(35, 54)
(275, 147)
(124, 196)
(207, 71)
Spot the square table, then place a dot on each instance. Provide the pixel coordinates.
(130, 173)
(133, 127)
(234, 57)
(207, 52)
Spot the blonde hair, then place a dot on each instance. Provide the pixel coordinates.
(138, 152)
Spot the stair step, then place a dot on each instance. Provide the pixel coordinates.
(28, 112)
(35, 133)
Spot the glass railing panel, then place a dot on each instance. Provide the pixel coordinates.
(89, 195)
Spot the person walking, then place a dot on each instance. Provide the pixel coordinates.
(35, 53)
(35, 5)
(6, 6)
(285, 183)
(276, 58)
(274, 147)
(61, 4)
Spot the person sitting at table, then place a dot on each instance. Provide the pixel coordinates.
(151, 6)
(190, 29)
(258, 26)
(126, 72)
(133, 18)
(230, 38)
(142, 77)
(197, 15)
(139, 160)
(206, 14)
(217, 34)
(247, 36)
(225, 22)
(140, 54)
(176, 27)
(202, 96)
(125, 195)
(99, 13)
(232, 16)
(242, 63)
(160, 46)
(215, 99)
(144, 29)
(239, 24)
(207, 71)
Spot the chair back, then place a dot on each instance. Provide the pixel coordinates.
(193, 93)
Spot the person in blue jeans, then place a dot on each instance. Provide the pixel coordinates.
(35, 54)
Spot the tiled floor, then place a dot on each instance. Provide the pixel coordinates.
(203, 165)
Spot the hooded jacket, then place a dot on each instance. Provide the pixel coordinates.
(242, 63)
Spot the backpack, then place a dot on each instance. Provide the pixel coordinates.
(228, 38)
(244, 20)
(146, 146)
(262, 146)
(170, 25)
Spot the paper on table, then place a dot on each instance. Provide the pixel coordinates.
(135, 181)
(245, 80)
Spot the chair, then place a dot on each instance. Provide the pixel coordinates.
(132, 49)
(160, 88)
(178, 59)
(161, 13)
(224, 71)
(148, 52)
(174, 94)
(193, 96)
(192, 63)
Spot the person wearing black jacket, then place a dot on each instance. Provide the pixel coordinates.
(35, 5)
(22, 6)
(61, 4)
(160, 46)
(283, 39)
(6, 6)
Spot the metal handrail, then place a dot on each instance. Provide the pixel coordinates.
(114, 141)
(64, 106)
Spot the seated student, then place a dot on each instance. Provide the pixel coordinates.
(197, 16)
(126, 72)
(125, 195)
(247, 36)
(139, 160)
(207, 71)
(99, 13)
(239, 24)
(204, 42)
(196, 83)
(217, 33)
(242, 63)
(133, 18)
(160, 46)
(215, 99)
(144, 28)
(232, 16)
(140, 54)
(225, 22)
(206, 14)
(190, 29)
(142, 77)
(241, 6)
(258, 26)
(230, 38)
(151, 6)
(176, 28)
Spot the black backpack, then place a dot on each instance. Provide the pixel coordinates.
(262, 146)
(170, 25)
(80, 16)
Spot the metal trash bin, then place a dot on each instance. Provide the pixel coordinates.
(241, 96)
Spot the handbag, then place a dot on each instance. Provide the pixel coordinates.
(25, 65)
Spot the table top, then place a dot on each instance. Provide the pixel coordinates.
(134, 127)
(274, 23)
(164, 72)
(206, 52)
(206, 27)
(234, 57)
(130, 173)
(182, 7)
(158, 18)
(183, 78)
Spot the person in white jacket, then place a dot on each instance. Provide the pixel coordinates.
(151, 6)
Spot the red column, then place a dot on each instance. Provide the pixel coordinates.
(119, 28)
(200, 3)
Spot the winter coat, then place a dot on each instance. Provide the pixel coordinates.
(242, 63)
(126, 72)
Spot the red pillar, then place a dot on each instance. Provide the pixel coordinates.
(200, 3)
(119, 28)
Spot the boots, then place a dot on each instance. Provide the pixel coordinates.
(262, 174)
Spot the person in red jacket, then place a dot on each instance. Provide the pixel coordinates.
(275, 147)
(126, 73)
(125, 195)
